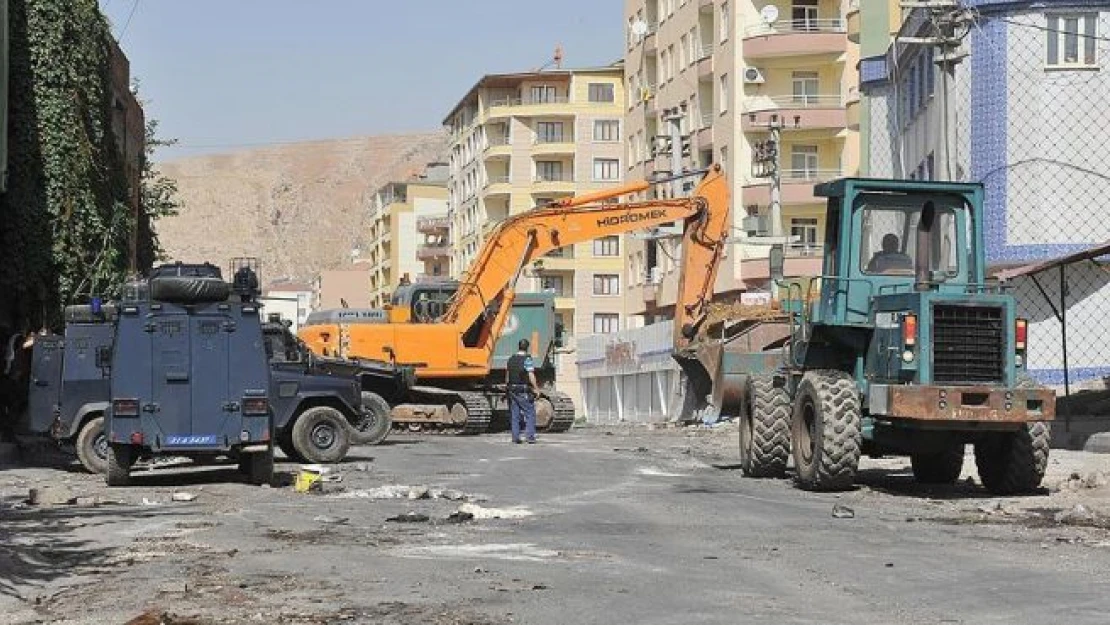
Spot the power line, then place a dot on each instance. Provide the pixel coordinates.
(1050, 30)
(134, 5)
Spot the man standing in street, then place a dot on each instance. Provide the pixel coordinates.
(521, 380)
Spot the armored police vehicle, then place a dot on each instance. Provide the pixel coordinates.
(67, 400)
(189, 375)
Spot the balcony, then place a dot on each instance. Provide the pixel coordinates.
(496, 185)
(498, 146)
(794, 38)
(558, 144)
(804, 112)
(558, 183)
(433, 225)
(797, 186)
(508, 107)
(852, 108)
(431, 251)
(852, 20)
(705, 61)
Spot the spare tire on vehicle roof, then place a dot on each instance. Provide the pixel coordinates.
(188, 289)
(196, 270)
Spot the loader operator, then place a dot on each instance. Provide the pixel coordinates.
(521, 381)
(890, 260)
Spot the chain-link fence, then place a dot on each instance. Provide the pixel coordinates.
(1025, 117)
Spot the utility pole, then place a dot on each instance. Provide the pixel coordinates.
(767, 163)
(676, 145)
(951, 23)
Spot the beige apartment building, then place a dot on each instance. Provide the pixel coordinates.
(407, 237)
(729, 68)
(522, 140)
(342, 288)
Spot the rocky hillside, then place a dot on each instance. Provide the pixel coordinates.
(300, 208)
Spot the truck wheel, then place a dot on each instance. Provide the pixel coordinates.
(118, 464)
(258, 467)
(941, 467)
(764, 428)
(285, 444)
(825, 430)
(376, 422)
(321, 434)
(92, 446)
(1013, 463)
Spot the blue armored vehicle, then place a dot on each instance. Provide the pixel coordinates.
(68, 397)
(189, 375)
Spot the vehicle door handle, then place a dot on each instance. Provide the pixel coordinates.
(231, 406)
(151, 407)
(41, 383)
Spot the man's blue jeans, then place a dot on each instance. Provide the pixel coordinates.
(521, 405)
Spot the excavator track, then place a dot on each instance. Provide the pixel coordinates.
(564, 412)
(479, 412)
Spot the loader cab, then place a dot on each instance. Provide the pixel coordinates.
(886, 237)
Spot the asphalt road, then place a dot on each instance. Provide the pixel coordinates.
(608, 527)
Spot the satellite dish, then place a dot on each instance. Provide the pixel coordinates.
(769, 13)
(639, 28)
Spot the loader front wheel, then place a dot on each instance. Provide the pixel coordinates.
(1012, 463)
(826, 430)
(764, 428)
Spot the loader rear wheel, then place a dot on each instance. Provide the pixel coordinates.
(764, 428)
(1012, 463)
(322, 434)
(825, 433)
(118, 466)
(92, 446)
(939, 467)
(376, 421)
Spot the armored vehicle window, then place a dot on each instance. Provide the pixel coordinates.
(888, 239)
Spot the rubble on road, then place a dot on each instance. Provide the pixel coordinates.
(399, 491)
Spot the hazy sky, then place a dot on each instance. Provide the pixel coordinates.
(228, 74)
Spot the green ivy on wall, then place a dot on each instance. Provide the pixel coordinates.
(65, 222)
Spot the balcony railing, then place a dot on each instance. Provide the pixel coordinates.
(425, 224)
(809, 175)
(563, 138)
(804, 250)
(763, 103)
(706, 51)
(497, 180)
(428, 251)
(493, 141)
(553, 178)
(562, 99)
(707, 120)
(835, 25)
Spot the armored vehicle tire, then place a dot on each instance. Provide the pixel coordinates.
(258, 467)
(189, 289)
(285, 444)
(118, 466)
(764, 428)
(376, 422)
(825, 432)
(92, 446)
(941, 467)
(1013, 463)
(322, 434)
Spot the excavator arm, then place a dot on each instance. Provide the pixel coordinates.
(526, 237)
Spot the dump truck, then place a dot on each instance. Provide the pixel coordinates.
(900, 346)
(453, 353)
(532, 318)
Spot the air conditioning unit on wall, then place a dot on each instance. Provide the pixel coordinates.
(753, 76)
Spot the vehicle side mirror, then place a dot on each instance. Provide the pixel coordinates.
(777, 261)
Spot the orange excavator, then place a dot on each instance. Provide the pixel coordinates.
(451, 356)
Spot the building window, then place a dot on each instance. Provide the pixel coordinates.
(1071, 40)
(724, 93)
(722, 25)
(803, 161)
(607, 130)
(803, 231)
(806, 86)
(606, 284)
(549, 132)
(684, 57)
(601, 92)
(552, 284)
(543, 94)
(607, 246)
(607, 169)
(606, 323)
(804, 14)
(549, 170)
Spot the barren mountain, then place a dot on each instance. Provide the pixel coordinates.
(300, 208)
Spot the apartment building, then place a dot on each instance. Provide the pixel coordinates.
(726, 70)
(407, 236)
(522, 140)
(348, 287)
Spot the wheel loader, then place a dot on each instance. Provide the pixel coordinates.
(900, 346)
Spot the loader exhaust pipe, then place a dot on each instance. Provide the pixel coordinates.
(924, 252)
